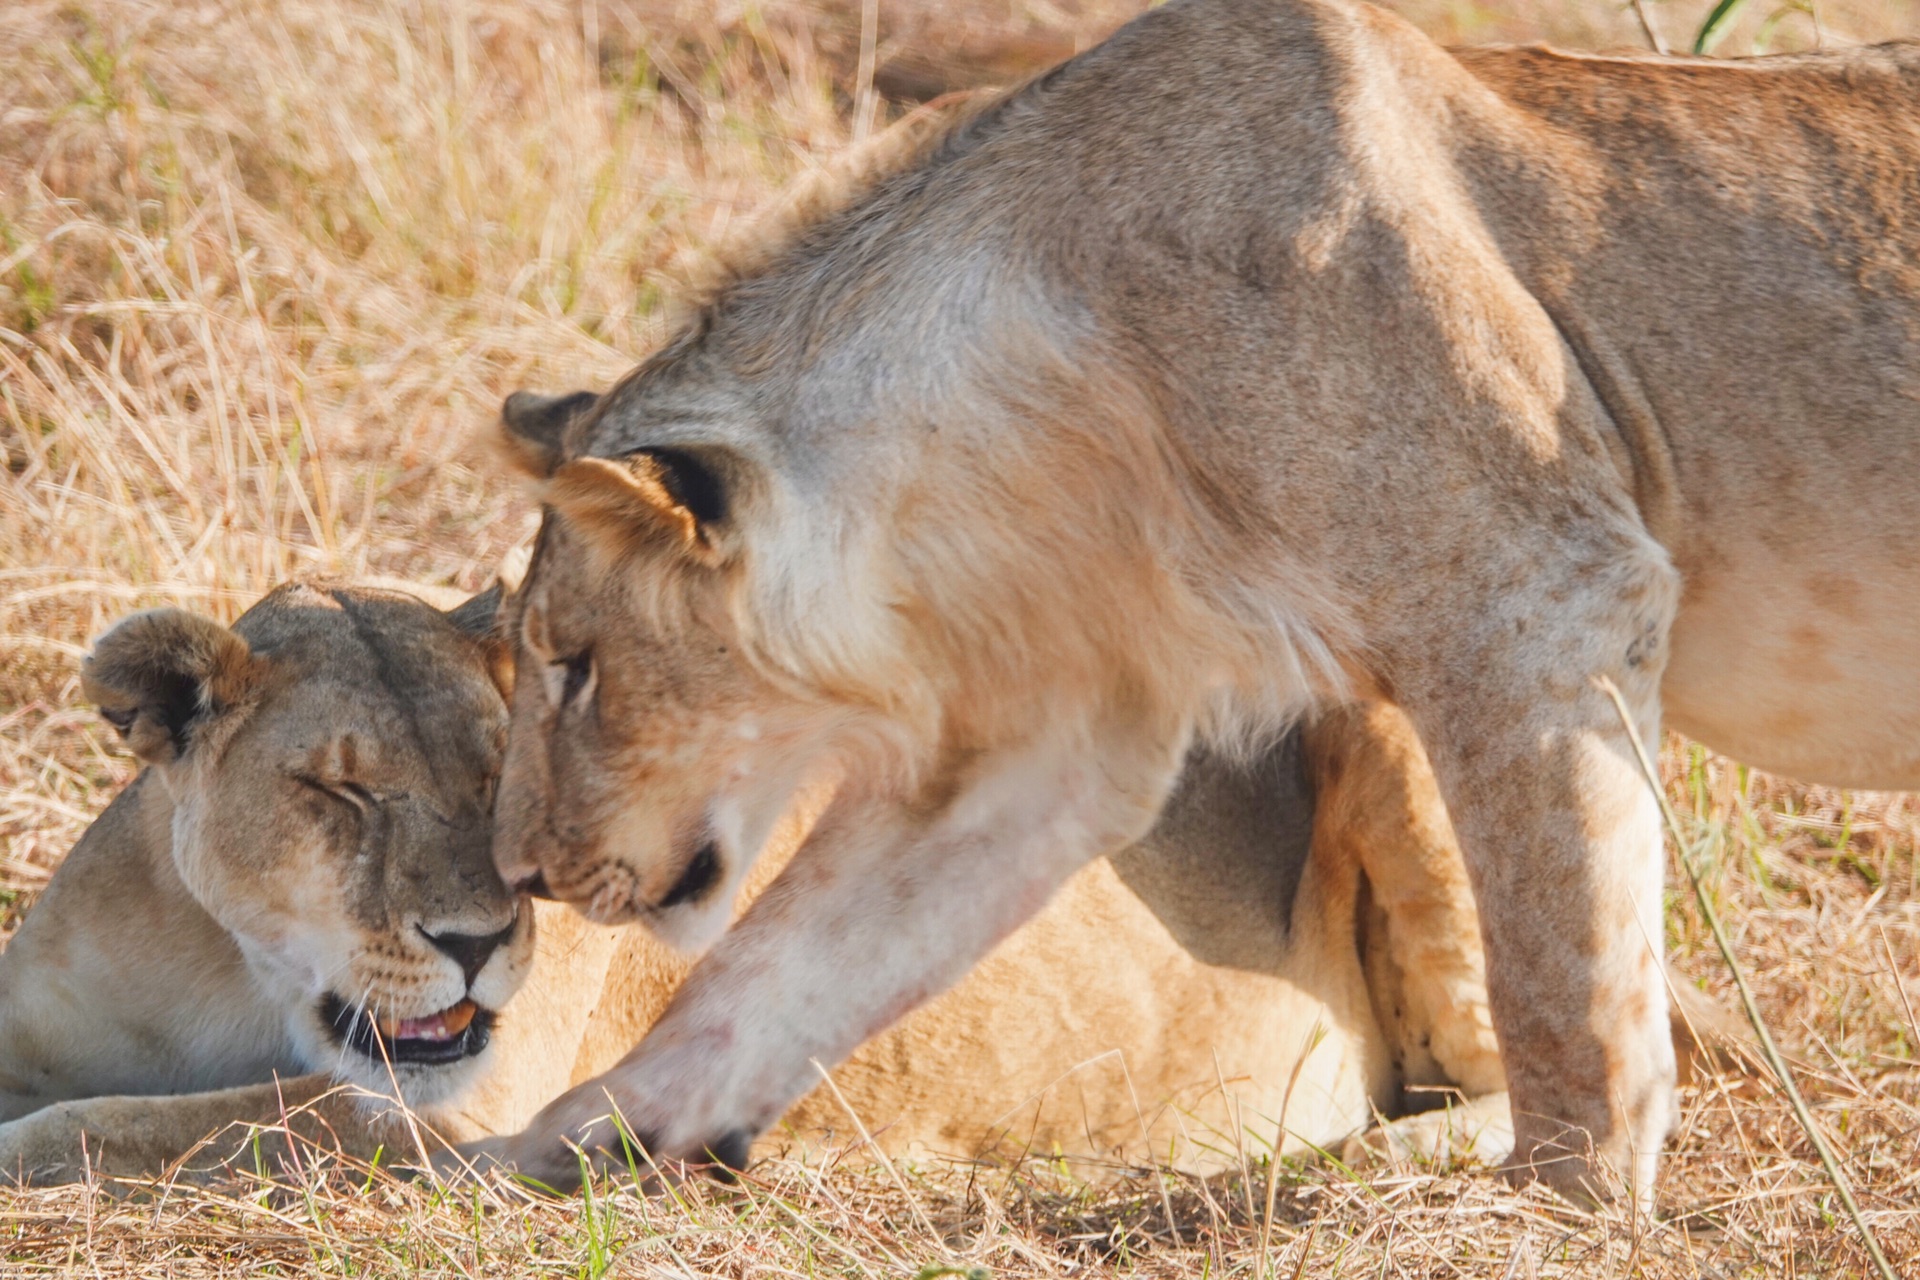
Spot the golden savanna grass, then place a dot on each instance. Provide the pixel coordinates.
(267, 269)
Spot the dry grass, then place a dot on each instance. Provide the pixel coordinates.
(265, 269)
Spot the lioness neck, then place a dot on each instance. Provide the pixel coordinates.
(119, 980)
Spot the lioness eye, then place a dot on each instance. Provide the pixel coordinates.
(578, 671)
(350, 793)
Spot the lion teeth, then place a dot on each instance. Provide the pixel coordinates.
(445, 1025)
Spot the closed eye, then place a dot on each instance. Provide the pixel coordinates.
(350, 793)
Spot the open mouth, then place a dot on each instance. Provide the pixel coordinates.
(459, 1031)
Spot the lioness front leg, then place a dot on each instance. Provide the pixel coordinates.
(1562, 839)
(887, 904)
(192, 1135)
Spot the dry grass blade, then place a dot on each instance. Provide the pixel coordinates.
(1655, 41)
(1314, 1038)
(1782, 1073)
(1900, 989)
(868, 1146)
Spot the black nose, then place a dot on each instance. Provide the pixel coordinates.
(469, 950)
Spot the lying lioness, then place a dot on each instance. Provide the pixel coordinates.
(296, 891)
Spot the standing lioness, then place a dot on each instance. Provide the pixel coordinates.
(1265, 354)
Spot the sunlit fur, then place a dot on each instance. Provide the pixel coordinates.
(1198, 1009)
(319, 812)
(1265, 352)
(895, 616)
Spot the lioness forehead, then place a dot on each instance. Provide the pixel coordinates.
(318, 623)
(390, 653)
(323, 619)
(559, 579)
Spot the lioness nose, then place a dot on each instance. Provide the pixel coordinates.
(533, 885)
(469, 950)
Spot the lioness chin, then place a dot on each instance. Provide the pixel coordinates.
(1264, 355)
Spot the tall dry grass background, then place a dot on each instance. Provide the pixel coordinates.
(265, 271)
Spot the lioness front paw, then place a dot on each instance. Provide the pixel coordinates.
(558, 1164)
(46, 1147)
(1477, 1131)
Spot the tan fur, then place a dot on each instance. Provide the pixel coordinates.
(1156, 1008)
(1352, 366)
(1380, 809)
(314, 807)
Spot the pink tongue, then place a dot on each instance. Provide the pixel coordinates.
(433, 1028)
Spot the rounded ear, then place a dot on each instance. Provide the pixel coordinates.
(691, 480)
(480, 618)
(675, 494)
(158, 675)
(477, 616)
(533, 429)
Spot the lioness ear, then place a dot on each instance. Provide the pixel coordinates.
(677, 493)
(480, 618)
(533, 429)
(477, 616)
(158, 675)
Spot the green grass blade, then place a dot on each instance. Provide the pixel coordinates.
(1711, 30)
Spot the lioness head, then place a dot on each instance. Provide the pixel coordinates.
(331, 760)
(894, 507)
(676, 759)
(701, 635)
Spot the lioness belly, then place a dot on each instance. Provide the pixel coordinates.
(1159, 1006)
(1751, 315)
(1093, 1033)
(1803, 662)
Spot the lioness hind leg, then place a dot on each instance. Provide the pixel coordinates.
(1377, 807)
(1707, 1039)
(1476, 1130)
